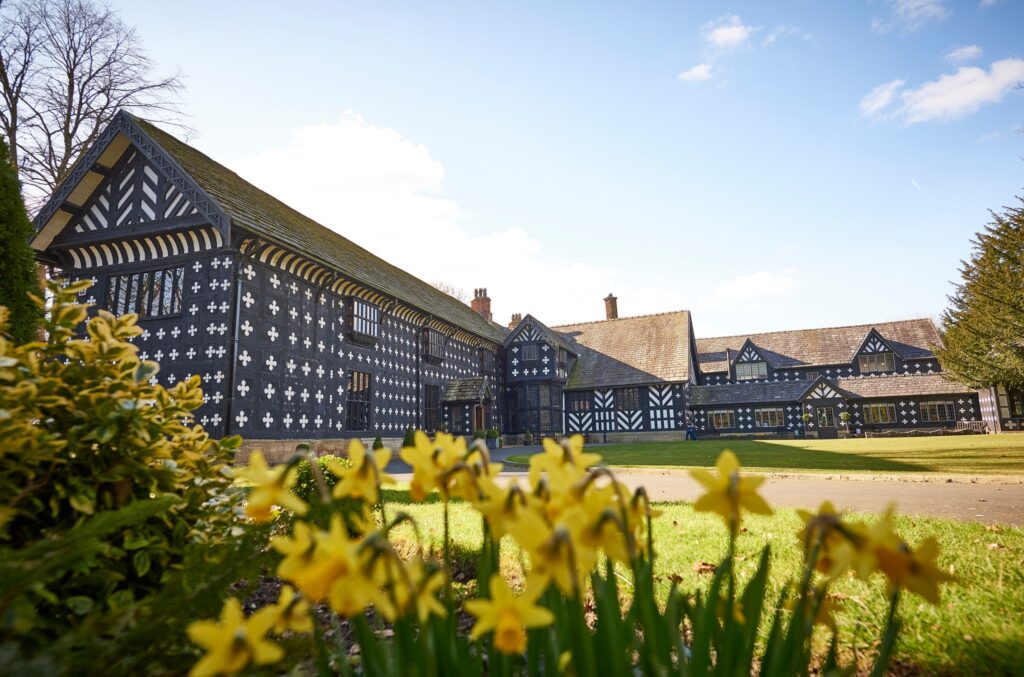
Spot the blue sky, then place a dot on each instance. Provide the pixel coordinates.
(766, 165)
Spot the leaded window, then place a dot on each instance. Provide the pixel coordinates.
(876, 362)
(751, 371)
(360, 392)
(878, 413)
(151, 294)
(768, 418)
(538, 408)
(530, 352)
(433, 343)
(363, 319)
(431, 407)
(722, 418)
(578, 401)
(627, 399)
(937, 412)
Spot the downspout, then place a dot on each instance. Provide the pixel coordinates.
(236, 276)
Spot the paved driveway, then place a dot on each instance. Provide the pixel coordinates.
(985, 501)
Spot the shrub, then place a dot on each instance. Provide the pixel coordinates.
(479, 434)
(493, 434)
(19, 273)
(528, 437)
(305, 486)
(109, 497)
(378, 443)
(409, 438)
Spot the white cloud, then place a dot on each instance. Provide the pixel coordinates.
(962, 54)
(961, 93)
(385, 192)
(950, 97)
(727, 32)
(879, 98)
(990, 136)
(698, 73)
(910, 15)
(988, 3)
(755, 286)
(785, 31)
(915, 184)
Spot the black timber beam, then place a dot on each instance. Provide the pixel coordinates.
(106, 235)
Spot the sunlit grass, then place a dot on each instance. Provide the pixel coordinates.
(977, 629)
(959, 454)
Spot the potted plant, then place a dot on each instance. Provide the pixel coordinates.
(528, 438)
(492, 438)
(844, 418)
(807, 421)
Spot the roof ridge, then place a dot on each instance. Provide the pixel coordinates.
(841, 326)
(628, 317)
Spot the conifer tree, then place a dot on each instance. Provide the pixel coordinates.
(983, 329)
(18, 274)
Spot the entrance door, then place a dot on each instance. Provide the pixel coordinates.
(478, 417)
(826, 423)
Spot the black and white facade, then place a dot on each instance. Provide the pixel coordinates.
(298, 333)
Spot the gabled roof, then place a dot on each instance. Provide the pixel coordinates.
(466, 390)
(911, 339)
(542, 330)
(263, 215)
(907, 386)
(630, 350)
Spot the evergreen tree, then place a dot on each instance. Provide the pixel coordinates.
(18, 276)
(983, 329)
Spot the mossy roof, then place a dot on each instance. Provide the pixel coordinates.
(260, 213)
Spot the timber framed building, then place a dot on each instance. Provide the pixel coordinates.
(300, 334)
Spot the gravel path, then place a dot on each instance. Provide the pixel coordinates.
(984, 499)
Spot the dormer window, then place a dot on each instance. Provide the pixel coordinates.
(876, 363)
(433, 345)
(751, 371)
(363, 321)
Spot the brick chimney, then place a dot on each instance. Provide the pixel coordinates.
(611, 307)
(516, 319)
(482, 303)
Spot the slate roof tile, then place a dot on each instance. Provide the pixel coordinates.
(911, 339)
(262, 214)
(630, 350)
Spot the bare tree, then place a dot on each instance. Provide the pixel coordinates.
(67, 67)
(450, 289)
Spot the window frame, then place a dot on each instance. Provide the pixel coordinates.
(627, 396)
(357, 409)
(870, 413)
(135, 292)
(363, 320)
(534, 352)
(579, 401)
(929, 415)
(759, 376)
(715, 415)
(764, 417)
(830, 417)
(432, 345)
(887, 357)
(431, 407)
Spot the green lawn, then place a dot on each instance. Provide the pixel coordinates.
(977, 629)
(961, 454)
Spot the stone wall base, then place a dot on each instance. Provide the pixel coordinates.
(279, 451)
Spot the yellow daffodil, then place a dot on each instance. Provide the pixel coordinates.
(271, 486)
(564, 463)
(411, 586)
(430, 460)
(364, 477)
(466, 484)
(557, 553)
(337, 572)
(292, 612)
(913, 569)
(500, 506)
(298, 550)
(508, 616)
(826, 529)
(728, 492)
(233, 642)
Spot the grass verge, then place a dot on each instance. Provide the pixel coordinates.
(977, 629)
(962, 454)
